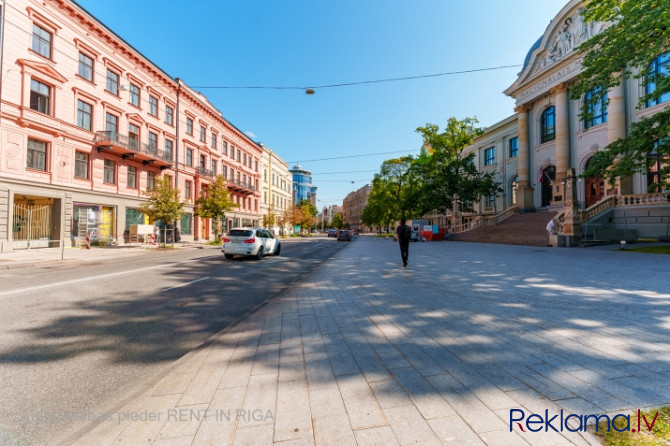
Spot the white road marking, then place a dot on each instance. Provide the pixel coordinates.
(187, 283)
(85, 279)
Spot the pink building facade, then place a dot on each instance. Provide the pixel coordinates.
(87, 123)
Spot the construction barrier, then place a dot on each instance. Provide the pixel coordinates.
(88, 240)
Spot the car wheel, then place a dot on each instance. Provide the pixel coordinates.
(278, 249)
(259, 254)
(228, 256)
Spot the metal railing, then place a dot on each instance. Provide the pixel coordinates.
(117, 139)
(502, 216)
(205, 172)
(242, 185)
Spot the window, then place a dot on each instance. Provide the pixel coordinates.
(244, 159)
(111, 123)
(660, 66)
(514, 187)
(153, 140)
(84, 111)
(169, 114)
(214, 139)
(224, 171)
(187, 190)
(37, 155)
(112, 82)
(153, 106)
(81, 165)
(256, 165)
(224, 147)
(491, 201)
(514, 147)
(214, 167)
(85, 67)
(134, 92)
(109, 174)
(489, 156)
(265, 175)
(548, 125)
(203, 161)
(39, 96)
(168, 149)
(186, 224)
(41, 41)
(595, 107)
(232, 174)
(232, 151)
(189, 157)
(133, 136)
(189, 126)
(132, 177)
(151, 180)
(238, 156)
(203, 133)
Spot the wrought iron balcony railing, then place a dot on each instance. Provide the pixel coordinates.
(204, 172)
(116, 139)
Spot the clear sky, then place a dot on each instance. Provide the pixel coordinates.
(300, 43)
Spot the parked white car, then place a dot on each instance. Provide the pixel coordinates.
(255, 242)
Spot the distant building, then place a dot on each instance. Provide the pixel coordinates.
(302, 185)
(276, 188)
(353, 206)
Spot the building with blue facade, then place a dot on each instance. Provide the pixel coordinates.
(302, 185)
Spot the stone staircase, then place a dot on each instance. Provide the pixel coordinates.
(521, 229)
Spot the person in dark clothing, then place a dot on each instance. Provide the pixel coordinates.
(404, 233)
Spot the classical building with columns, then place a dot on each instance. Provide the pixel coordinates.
(539, 152)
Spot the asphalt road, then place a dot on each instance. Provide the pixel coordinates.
(77, 339)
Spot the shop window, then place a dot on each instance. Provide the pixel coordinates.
(186, 224)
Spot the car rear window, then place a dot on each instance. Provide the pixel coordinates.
(241, 233)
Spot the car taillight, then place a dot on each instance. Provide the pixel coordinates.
(225, 240)
(250, 240)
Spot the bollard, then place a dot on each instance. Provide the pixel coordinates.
(88, 240)
(153, 238)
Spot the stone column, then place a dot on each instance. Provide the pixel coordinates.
(616, 129)
(561, 118)
(524, 195)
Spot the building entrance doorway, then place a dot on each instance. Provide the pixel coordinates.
(547, 178)
(594, 188)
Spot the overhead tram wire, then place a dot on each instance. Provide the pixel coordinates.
(348, 156)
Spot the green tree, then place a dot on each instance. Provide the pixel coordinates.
(270, 219)
(338, 223)
(163, 202)
(637, 32)
(450, 178)
(215, 203)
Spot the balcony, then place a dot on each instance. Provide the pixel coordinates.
(125, 147)
(241, 186)
(204, 172)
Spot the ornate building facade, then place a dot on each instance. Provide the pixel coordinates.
(535, 151)
(88, 123)
(276, 185)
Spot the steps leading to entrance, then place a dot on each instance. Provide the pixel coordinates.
(522, 229)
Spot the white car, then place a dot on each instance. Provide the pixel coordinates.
(255, 242)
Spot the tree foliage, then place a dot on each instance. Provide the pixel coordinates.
(450, 174)
(395, 193)
(215, 203)
(338, 223)
(636, 32)
(162, 201)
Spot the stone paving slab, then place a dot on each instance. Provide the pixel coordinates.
(437, 353)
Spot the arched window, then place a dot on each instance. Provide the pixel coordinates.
(596, 108)
(548, 125)
(660, 65)
(514, 186)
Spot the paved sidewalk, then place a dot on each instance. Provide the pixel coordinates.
(366, 352)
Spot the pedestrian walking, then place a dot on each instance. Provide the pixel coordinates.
(403, 232)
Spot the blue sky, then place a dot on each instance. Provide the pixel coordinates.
(292, 43)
